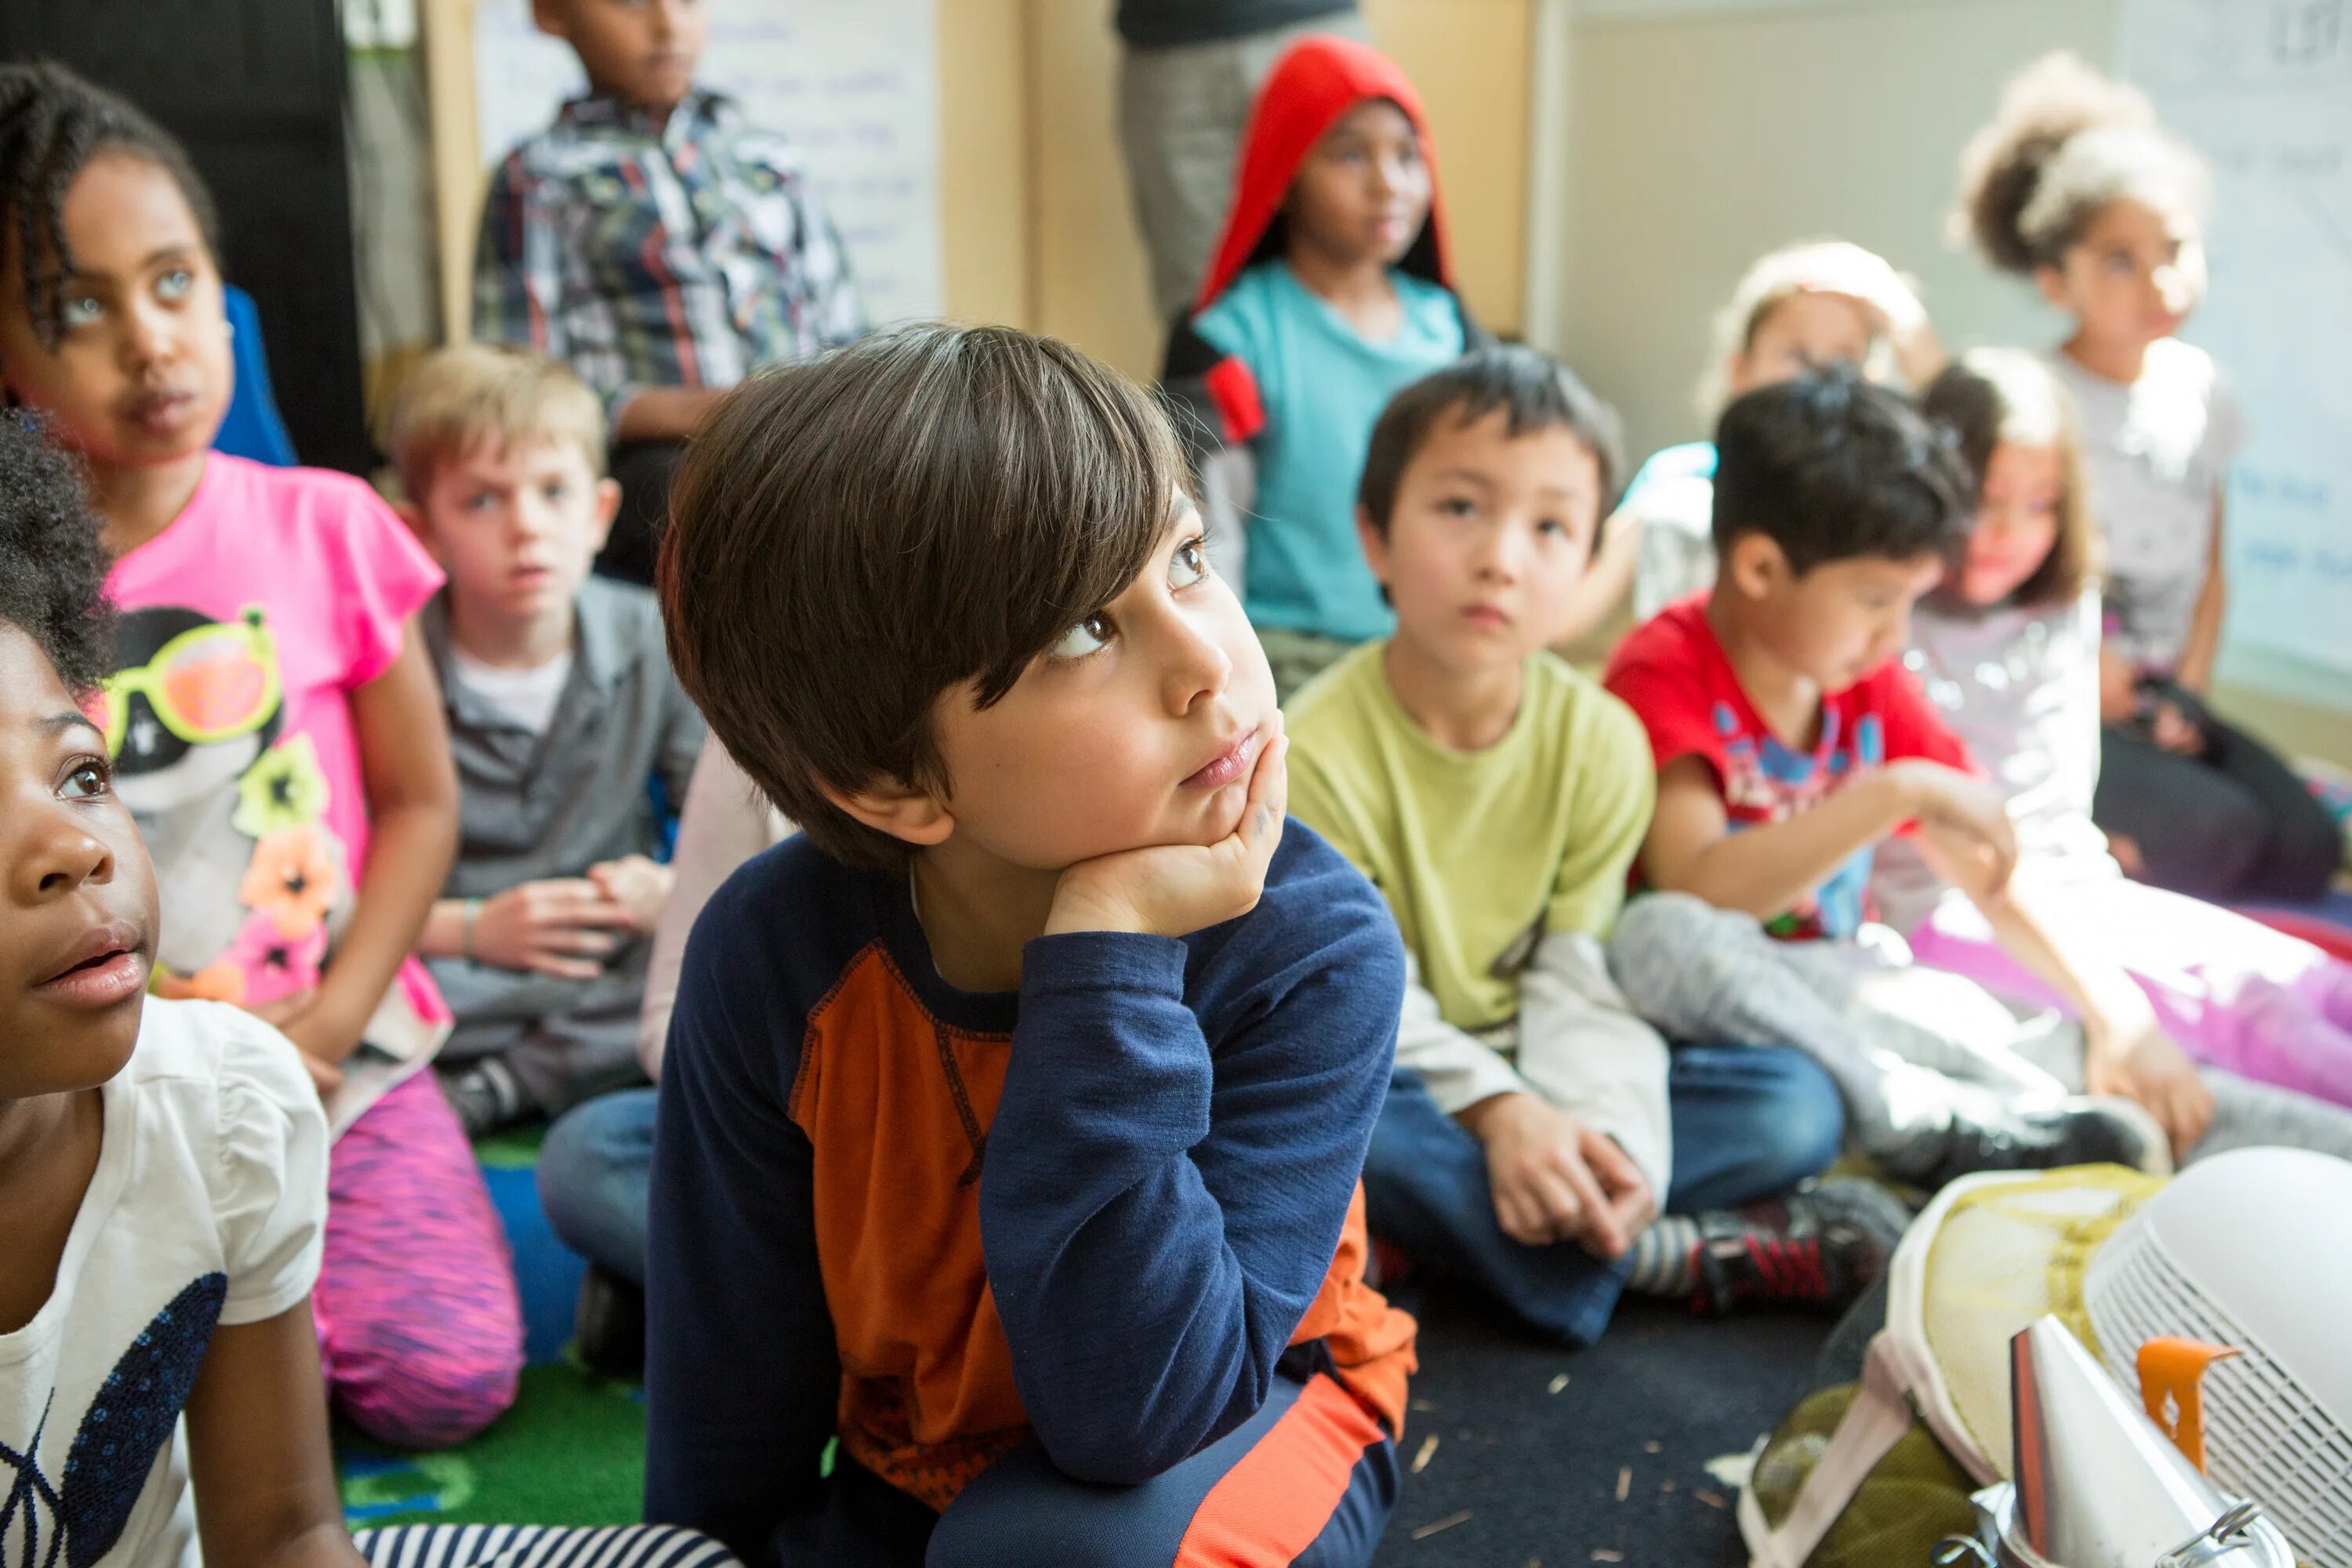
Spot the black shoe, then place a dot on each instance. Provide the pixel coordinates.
(2106, 1131)
(1821, 1246)
(487, 1097)
(608, 1326)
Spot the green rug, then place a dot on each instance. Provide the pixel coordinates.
(572, 1451)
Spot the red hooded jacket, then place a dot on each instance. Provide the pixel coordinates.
(1319, 79)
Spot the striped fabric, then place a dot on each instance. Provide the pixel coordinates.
(541, 1546)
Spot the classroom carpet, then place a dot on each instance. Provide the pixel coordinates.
(1608, 1465)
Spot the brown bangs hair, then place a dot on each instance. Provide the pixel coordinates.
(920, 513)
(1989, 396)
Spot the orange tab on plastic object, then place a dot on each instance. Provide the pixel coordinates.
(2172, 1387)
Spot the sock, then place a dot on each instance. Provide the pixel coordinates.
(1666, 1258)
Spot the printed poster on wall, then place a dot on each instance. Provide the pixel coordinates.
(2264, 89)
(856, 87)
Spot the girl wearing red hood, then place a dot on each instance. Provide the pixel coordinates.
(1329, 290)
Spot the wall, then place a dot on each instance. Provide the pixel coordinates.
(1702, 138)
(986, 183)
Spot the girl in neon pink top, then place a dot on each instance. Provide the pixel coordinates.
(275, 731)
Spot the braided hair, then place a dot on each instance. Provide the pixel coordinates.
(52, 123)
(52, 565)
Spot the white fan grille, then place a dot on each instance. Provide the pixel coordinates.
(2266, 1437)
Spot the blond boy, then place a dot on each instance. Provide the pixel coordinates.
(565, 721)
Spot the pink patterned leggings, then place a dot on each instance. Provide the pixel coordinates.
(419, 1326)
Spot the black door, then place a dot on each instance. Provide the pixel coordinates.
(255, 89)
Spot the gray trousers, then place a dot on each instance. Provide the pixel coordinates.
(1913, 1050)
(1180, 114)
(566, 1040)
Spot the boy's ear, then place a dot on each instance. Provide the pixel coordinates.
(906, 813)
(1755, 565)
(1376, 546)
(608, 506)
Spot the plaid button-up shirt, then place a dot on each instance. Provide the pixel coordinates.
(685, 253)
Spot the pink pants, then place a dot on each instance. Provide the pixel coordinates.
(2234, 993)
(420, 1328)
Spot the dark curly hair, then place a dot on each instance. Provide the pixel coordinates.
(52, 123)
(1830, 468)
(2064, 142)
(52, 566)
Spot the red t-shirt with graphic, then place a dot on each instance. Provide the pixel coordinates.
(1673, 672)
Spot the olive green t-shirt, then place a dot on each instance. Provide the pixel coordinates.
(1478, 853)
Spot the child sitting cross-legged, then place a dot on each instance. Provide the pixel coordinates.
(2007, 647)
(1789, 743)
(1013, 1112)
(1536, 1129)
(562, 711)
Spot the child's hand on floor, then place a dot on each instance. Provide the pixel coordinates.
(560, 927)
(1175, 890)
(2147, 1066)
(637, 885)
(1554, 1179)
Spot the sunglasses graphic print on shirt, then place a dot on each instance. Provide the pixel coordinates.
(254, 882)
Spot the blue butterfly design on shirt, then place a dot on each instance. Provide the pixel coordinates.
(80, 1518)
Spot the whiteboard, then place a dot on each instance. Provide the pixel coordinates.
(2264, 88)
(856, 87)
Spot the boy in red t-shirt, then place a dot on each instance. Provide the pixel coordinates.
(1789, 740)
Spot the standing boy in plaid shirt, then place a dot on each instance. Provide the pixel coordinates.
(657, 242)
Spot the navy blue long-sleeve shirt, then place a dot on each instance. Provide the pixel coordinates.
(1100, 1208)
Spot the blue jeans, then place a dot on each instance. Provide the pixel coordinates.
(1749, 1122)
(593, 1170)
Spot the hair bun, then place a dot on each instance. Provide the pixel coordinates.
(2043, 107)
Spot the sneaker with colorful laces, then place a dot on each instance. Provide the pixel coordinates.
(1821, 1246)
